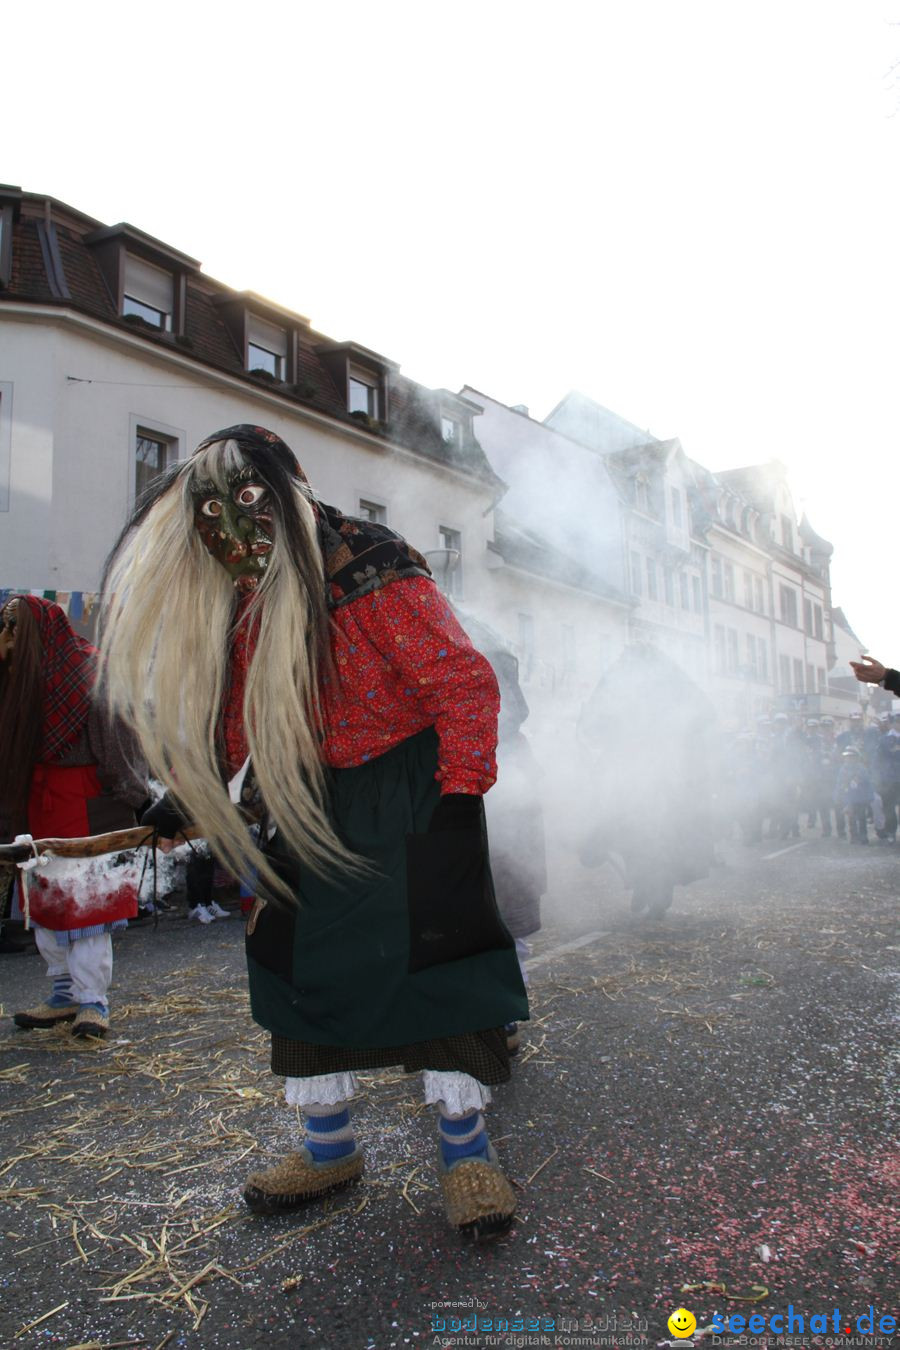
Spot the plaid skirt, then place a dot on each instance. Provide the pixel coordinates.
(482, 1054)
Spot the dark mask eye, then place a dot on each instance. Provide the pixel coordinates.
(249, 494)
(212, 508)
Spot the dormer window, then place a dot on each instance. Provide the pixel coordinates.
(363, 392)
(6, 224)
(451, 430)
(267, 346)
(148, 293)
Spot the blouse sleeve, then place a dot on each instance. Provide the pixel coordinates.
(414, 629)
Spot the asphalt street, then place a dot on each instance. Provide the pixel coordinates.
(701, 1116)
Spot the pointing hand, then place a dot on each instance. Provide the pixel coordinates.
(868, 670)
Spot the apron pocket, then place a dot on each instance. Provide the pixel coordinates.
(450, 898)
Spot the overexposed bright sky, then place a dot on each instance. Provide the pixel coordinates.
(688, 209)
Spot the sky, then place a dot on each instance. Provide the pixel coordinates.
(687, 209)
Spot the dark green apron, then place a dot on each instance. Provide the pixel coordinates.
(334, 969)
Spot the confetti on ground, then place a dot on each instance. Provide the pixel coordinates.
(698, 1104)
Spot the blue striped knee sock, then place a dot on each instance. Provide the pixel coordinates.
(62, 992)
(329, 1134)
(462, 1136)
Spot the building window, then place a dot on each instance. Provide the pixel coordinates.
(732, 651)
(153, 454)
(787, 533)
(652, 588)
(821, 679)
(451, 545)
(788, 605)
(698, 595)
(719, 640)
(373, 511)
(759, 595)
(683, 584)
(6, 222)
(669, 585)
(729, 582)
(762, 663)
(148, 293)
(451, 430)
(818, 617)
(751, 655)
(748, 590)
(676, 508)
(363, 393)
(784, 674)
(808, 616)
(636, 588)
(717, 578)
(798, 676)
(266, 347)
(810, 679)
(641, 494)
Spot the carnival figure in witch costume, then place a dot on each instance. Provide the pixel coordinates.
(272, 653)
(65, 771)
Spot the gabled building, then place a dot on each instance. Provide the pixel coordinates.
(559, 591)
(664, 550)
(797, 566)
(726, 578)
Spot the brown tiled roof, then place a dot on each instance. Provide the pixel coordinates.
(414, 412)
(29, 278)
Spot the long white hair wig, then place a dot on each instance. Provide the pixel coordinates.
(167, 622)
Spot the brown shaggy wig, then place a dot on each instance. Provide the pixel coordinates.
(21, 720)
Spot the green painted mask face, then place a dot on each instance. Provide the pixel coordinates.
(237, 526)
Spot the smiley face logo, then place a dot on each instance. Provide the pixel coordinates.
(682, 1323)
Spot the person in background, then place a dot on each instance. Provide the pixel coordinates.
(852, 733)
(853, 793)
(829, 763)
(514, 812)
(65, 771)
(200, 874)
(652, 788)
(887, 779)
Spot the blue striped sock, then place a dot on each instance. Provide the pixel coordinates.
(62, 992)
(329, 1135)
(463, 1136)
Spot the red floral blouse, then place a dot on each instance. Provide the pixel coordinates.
(401, 663)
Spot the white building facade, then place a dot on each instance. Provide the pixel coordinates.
(118, 356)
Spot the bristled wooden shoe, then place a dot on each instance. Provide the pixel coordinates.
(90, 1023)
(478, 1199)
(299, 1178)
(46, 1015)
